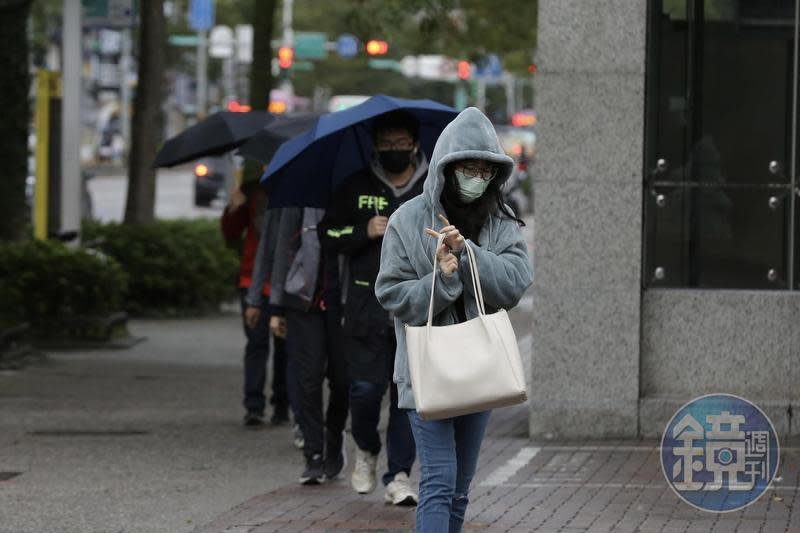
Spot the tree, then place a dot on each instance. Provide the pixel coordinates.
(263, 12)
(14, 85)
(146, 126)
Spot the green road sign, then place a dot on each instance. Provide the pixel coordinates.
(183, 40)
(303, 66)
(310, 45)
(385, 64)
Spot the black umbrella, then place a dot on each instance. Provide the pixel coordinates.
(263, 145)
(219, 133)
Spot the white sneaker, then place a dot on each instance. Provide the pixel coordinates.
(363, 479)
(297, 437)
(399, 491)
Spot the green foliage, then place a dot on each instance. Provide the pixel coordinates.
(50, 285)
(175, 267)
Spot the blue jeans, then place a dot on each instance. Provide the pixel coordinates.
(365, 413)
(448, 454)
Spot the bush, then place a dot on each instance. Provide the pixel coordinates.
(51, 285)
(175, 267)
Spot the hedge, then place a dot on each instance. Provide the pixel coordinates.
(50, 286)
(179, 267)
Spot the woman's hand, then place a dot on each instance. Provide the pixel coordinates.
(448, 263)
(452, 237)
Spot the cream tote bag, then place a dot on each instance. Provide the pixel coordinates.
(468, 367)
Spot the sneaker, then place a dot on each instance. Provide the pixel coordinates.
(335, 459)
(363, 479)
(313, 474)
(253, 420)
(399, 491)
(297, 439)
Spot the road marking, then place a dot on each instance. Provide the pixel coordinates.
(512, 466)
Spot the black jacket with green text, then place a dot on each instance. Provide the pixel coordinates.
(343, 231)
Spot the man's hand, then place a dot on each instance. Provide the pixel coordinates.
(277, 324)
(377, 227)
(236, 199)
(251, 316)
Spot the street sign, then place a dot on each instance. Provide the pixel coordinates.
(347, 45)
(385, 64)
(220, 42)
(303, 66)
(310, 45)
(183, 40)
(201, 14)
(108, 13)
(244, 43)
(490, 67)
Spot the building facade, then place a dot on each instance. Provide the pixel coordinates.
(666, 249)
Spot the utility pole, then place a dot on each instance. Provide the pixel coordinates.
(71, 179)
(125, 91)
(202, 72)
(288, 40)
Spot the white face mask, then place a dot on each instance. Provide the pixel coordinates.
(470, 189)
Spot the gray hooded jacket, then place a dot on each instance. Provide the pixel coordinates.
(403, 286)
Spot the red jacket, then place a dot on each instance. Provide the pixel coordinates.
(234, 223)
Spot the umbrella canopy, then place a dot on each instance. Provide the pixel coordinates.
(219, 133)
(263, 145)
(306, 169)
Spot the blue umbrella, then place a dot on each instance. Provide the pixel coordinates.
(306, 169)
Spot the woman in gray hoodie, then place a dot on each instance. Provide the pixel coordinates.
(462, 199)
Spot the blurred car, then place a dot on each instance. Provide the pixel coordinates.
(213, 177)
(520, 144)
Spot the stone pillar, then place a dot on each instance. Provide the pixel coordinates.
(588, 243)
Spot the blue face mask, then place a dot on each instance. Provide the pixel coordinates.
(470, 189)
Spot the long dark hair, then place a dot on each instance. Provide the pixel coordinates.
(470, 217)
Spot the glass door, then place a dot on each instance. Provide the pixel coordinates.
(720, 144)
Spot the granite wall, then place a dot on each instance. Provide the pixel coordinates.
(587, 249)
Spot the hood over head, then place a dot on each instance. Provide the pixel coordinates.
(469, 136)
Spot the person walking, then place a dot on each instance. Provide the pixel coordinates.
(353, 227)
(462, 199)
(243, 215)
(257, 300)
(306, 299)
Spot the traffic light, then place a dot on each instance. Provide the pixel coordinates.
(464, 70)
(377, 48)
(285, 57)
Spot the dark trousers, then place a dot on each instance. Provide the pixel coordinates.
(365, 411)
(256, 355)
(313, 342)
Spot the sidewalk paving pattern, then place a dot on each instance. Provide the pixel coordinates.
(525, 486)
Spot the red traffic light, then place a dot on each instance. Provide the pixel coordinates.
(285, 56)
(464, 70)
(532, 68)
(377, 48)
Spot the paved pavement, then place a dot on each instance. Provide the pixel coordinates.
(525, 486)
(150, 440)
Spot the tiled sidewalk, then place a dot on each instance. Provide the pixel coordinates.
(525, 486)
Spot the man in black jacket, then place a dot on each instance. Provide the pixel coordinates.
(354, 226)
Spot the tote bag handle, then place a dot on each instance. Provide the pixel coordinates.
(473, 270)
